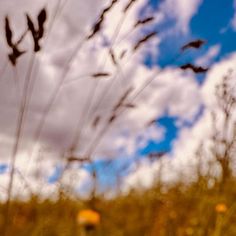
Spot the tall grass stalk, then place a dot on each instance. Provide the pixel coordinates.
(17, 139)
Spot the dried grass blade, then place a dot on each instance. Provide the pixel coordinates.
(144, 21)
(101, 74)
(144, 40)
(113, 58)
(128, 6)
(98, 24)
(8, 32)
(196, 69)
(194, 44)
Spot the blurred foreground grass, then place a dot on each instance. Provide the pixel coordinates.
(181, 210)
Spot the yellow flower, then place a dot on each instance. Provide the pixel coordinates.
(88, 217)
(221, 208)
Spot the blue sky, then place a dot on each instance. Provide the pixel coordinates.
(211, 23)
(212, 18)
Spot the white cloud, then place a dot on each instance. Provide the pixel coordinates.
(182, 11)
(215, 76)
(171, 90)
(209, 57)
(233, 21)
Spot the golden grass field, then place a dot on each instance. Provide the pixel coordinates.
(181, 210)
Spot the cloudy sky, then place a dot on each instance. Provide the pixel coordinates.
(68, 108)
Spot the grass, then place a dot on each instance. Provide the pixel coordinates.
(180, 210)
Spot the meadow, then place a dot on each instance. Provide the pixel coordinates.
(72, 104)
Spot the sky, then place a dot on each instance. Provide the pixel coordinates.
(169, 115)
